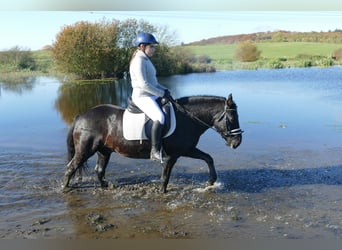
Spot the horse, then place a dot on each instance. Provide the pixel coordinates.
(99, 130)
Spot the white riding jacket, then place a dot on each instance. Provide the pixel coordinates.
(143, 77)
(146, 88)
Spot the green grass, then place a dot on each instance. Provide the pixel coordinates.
(273, 55)
(44, 60)
(292, 52)
(9, 73)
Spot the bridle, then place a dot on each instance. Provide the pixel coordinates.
(228, 133)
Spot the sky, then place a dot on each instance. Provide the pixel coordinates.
(33, 29)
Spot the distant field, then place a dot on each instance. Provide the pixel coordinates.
(291, 50)
(222, 55)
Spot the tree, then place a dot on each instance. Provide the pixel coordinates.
(127, 33)
(104, 49)
(246, 51)
(87, 49)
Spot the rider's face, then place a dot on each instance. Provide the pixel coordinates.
(149, 50)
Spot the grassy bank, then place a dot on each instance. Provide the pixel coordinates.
(273, 55)
(11, 72)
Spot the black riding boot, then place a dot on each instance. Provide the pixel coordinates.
(156, 133)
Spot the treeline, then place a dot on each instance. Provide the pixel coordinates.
(276, 36)
(103, 50)
(16, 59)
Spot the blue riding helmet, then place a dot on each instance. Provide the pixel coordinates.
(145, 38)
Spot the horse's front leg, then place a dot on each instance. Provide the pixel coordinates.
(166, 172)
(198, 154)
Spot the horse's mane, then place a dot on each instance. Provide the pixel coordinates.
(200, 99)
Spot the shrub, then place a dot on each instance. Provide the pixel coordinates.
(247, 52)
(337, 54)
(17, 59)
(325, 62)
(103, 49)
(276, 64)
(26, 61)
(88, 49)
(307, 63)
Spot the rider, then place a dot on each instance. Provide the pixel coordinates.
(146, 89)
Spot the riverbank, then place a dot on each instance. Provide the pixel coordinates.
(273, 55)
(18, 66)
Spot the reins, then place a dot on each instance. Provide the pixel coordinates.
(182, 109)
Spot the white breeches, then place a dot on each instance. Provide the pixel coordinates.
(150, 107)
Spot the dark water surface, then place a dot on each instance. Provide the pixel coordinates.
(284, 181)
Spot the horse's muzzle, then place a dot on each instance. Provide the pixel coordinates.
(234, 141)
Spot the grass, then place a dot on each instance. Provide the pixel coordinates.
(290, 52)
(9, 73)
(273, 55)
(44, 60)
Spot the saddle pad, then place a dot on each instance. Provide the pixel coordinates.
(134, 125)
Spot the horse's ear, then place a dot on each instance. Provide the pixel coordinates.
(230, 100)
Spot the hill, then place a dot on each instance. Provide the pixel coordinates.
(276, 36)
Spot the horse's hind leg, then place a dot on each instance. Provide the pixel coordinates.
(71, 169)
(100, 168)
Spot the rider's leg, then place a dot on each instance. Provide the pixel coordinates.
(156, 133)
(151, 108)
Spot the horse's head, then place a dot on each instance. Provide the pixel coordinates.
(227, 124)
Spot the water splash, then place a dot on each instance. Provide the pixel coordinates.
(217, 185)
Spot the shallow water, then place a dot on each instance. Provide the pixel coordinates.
(283, 181)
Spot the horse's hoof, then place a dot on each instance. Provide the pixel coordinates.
(111, 186)
(163, 190)
(104, 185)
(209, 183)
(66, 189)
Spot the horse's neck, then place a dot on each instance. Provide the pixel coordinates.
(205, 109)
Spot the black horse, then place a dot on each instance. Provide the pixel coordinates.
(99, 130)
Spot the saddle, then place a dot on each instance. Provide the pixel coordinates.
(137, 125)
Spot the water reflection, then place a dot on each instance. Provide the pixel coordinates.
(76, 98)
(19, 86)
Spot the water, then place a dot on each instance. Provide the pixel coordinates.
(283, 181)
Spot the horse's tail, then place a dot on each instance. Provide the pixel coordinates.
(70, 142)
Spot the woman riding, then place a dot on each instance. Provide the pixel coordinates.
(146, 89)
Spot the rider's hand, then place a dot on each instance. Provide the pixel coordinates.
(167, 97)
(167, 94)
